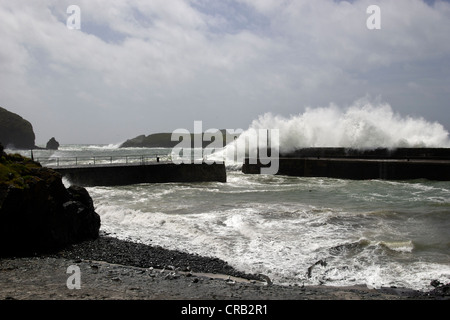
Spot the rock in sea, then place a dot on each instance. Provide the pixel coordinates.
(52, 144)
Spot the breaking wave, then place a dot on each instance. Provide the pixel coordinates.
(364, 125)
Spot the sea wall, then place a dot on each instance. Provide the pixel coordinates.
(151, 173)
(401, 164)
(378, 153)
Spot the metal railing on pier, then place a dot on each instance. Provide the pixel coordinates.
(102, 160)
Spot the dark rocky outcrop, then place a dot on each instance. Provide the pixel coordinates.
(52, 144)
(37, 212)
(440, 289)
(15, 131)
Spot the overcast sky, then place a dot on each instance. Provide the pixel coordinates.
(146, 66)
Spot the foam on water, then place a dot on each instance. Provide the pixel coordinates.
(80, 147)
(399, 246)
(283, 249)
(299, 230)
(363, 125)
(274, 225)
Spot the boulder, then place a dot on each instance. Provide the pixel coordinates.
(15, 131)
(440, 289)
(52, 144)
(38, 213)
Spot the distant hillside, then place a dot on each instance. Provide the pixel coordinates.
(15, 131)
(163, 140)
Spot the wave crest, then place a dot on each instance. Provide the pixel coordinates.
(363, 125)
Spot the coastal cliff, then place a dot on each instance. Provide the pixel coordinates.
(37, 212)
(15, 131)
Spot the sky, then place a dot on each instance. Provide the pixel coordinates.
(146, 66)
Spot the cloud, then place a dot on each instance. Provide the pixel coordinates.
(137, 67)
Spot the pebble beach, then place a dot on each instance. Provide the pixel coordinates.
(113, 269)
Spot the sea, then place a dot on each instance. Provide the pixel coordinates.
(295, 230)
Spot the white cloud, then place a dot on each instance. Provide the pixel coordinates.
(158, 65)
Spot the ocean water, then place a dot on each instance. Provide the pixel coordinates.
(297, 231)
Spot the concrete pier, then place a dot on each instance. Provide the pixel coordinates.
(113, 175)
(400, 164)
(377, 154)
